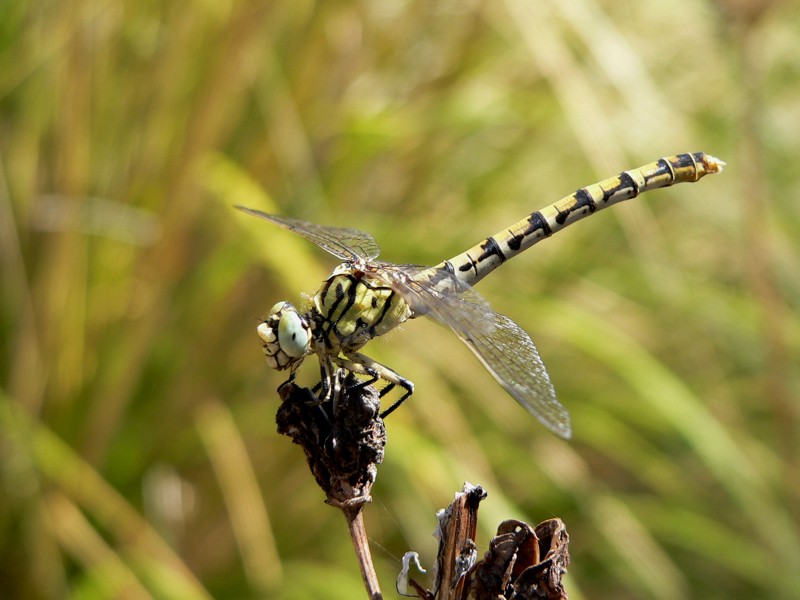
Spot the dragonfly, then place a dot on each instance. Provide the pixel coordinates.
(364, 298)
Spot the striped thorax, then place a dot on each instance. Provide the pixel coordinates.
(353, 306)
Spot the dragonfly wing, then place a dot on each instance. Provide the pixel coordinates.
(507, 352)
(440, 295)
(344, 242)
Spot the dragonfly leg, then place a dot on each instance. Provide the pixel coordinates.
(373, 377)
(364, 365)
(409, 390)
(327, 380)
(287, 382)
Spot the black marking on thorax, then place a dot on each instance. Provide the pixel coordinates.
(322, 328)
(338, 291)
(351, 293)
(387, 303)
(329, 324)
(326, 324)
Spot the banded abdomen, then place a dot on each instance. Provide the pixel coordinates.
(477, 262)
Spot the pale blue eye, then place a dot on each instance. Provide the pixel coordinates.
(293, 335)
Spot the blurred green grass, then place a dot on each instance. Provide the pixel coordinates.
(138, 453)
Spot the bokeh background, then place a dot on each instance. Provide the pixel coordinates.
(138, 451)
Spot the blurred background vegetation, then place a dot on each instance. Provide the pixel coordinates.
(138, 452)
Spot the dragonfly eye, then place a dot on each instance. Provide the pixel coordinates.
(285, 337)
(294, 335)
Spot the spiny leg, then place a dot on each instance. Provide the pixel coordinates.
(409, 390)
(364, 365)
(330, 382)
(287, 382)
(327, 379)
(324, 384)
(314, 398)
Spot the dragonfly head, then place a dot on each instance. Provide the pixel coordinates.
(285, 336)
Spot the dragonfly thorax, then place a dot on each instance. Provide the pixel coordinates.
(355, 305)
(285, 337)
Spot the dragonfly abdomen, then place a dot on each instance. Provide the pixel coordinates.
(477, 262)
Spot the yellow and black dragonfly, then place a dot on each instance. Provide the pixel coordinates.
(364, 298)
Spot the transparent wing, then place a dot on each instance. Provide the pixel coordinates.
(507, 352)
(509, 355)
(439, 294)
(344, 242)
